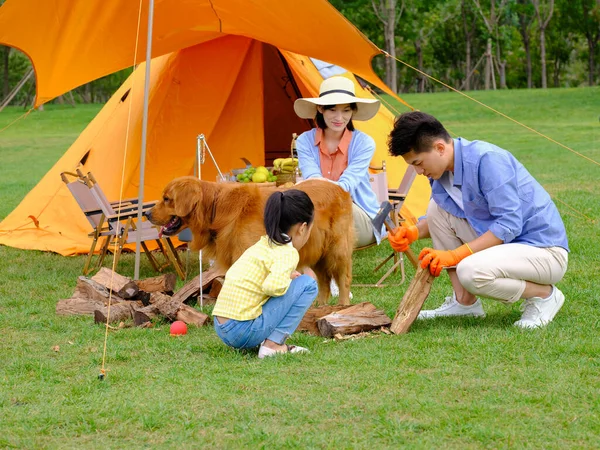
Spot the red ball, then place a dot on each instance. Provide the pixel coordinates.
(178, 328)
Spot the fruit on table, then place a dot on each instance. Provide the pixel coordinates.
(258, 174)
(259, 177)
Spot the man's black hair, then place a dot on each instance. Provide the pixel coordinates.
(415, 131)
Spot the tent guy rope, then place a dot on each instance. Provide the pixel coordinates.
(22, 116)
(492, 109)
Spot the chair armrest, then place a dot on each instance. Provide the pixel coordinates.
(127, 208)
(396, 196)
(92, 212)
(132, 202)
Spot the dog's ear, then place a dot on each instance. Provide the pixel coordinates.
(187, 197)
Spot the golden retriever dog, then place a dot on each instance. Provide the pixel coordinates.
(227, 218)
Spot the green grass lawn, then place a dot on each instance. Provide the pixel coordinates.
(457, 383)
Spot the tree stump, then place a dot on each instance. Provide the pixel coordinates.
(413, 300)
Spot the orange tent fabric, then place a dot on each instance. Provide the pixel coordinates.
(236, 90)
(71, 42)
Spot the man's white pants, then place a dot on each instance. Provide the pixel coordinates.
(498, 272)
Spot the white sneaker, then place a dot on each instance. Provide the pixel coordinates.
(335, 290)
(264, 352)
(538, 312)
(451, 307)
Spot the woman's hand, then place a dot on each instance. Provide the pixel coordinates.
(295, 274)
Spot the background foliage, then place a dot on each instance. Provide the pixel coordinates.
(436, 32)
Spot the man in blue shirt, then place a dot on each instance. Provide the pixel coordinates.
(493, 226)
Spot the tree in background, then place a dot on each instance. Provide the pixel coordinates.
(469, 25)
(5, 73)
(360, 13)
(492, 15)
(585, 15)
(561, 43)
(543, 13)
(426, 18)
(526, 16)
(389, 12)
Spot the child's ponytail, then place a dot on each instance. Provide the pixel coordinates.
(285, 209)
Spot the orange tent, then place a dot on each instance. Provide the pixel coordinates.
(231, 78)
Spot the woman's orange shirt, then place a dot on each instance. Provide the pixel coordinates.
(333, 164)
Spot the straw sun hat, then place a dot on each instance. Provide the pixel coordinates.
(337, 91)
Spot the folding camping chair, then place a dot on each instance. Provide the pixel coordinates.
(116, 220)
(379, 184)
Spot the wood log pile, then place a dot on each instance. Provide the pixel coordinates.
(142, 300)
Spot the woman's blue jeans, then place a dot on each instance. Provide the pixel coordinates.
(280, 317)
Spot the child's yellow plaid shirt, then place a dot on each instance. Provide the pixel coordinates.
(263, 271)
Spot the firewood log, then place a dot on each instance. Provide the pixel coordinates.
(89, 289)
(413, 300)
(309, 321)
(111, 280)
(78, 306)
(162, 283)
(356, 318)
(129, 291)
(192, 288)
(191, 316)
(118, 313)
(215, 287)
(166, 305)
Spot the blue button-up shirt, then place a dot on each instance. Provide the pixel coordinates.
(501, 196)
(355, 179)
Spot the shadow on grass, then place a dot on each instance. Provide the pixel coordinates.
(496, 320)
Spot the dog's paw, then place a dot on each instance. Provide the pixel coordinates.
(335, 290)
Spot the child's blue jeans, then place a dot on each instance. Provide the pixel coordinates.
(280, 317)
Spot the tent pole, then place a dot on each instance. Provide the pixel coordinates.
(138, 240)
(199, 162)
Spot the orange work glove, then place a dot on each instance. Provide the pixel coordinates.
(401, 238)
(438, 259)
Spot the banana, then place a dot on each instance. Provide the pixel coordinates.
(290, 164)
(277, 162)
(288, 161)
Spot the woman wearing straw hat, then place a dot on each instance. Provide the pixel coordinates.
(335, 151)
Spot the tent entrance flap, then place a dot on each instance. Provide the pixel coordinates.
(280, 91)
